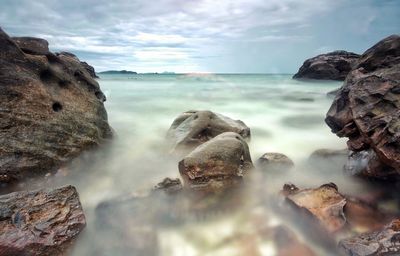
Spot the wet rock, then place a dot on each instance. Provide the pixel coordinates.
(366, 109)
(332, 94)
(51, 109)
(326, 159)
(274, 162)
(216, 165)
(288, 244)
(383, 242)
(193, 128)
(330, 66)
(42, 222)
(324, 204)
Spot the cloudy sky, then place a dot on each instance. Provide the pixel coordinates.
(225, 36)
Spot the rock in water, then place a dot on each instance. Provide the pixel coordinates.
(216, 165)
(51, 109)
(41, 222)
(274, 162)
(384, 242)
(366, 109)
(193, 128)
(331, 66)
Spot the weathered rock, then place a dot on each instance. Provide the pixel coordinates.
(50, 109)
(32, 45)
(169, 185)
(193, 128)
(330, 66)
(274, 162)
(325, 204)
(384, 242)
(216, 165)
(42, 222)
(88, 68)
(366, 109)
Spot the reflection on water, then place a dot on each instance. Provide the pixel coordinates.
(284, 116)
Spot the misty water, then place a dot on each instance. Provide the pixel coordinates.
(284, 115)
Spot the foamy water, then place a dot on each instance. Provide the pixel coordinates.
(284, 115)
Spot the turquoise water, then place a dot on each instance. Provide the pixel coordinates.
(284, 115)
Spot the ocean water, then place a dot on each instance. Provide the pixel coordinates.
(284, 115)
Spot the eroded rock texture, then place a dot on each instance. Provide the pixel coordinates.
(216, 165)
(383, 242)
(193, 128)
(51, 109)
(42, 222)
(367, 108)
(330, 66)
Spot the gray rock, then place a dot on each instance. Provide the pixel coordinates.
(274, 162)
(193, 128)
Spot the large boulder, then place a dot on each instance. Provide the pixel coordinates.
(193, 128)
(41, 222)
(51, 109)
(216, 165)
(366, 108)
(330, 66)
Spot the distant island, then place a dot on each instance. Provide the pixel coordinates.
(112, 72)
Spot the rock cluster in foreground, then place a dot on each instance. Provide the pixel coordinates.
(366, 108)
(41, 222)
(330, 66)
(51, 108)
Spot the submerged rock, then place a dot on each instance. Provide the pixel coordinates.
(326, 159)
(287, 243)
(51, 109)
(42, 222)
(383, 242)
(169, 185)
(216, 165)
(193, 128)
(274, 162)
(366, 109)
(330, 66)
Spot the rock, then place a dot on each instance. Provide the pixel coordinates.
(32, 45)
(326, 159)
(288, 244)
(193, 128)
(85, 65)
(169, 185)
(216, 165)
(51, 109)
(324, 204)
(41, 222)
(274, 162)
(383, 242)
(330, 66)
(366, 109)
(332, 94)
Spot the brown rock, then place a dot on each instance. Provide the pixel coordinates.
(216, 165)
(383, 242)
(288, 244)
(193, 128)
(324, 204)
(330, 66)
(366, 109)
(32, 45)
(42, 222)
(51, 109)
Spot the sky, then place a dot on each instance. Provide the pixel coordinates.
(218, 36)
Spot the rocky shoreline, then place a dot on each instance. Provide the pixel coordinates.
(52, 110)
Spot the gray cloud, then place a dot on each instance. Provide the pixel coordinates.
(191, 35)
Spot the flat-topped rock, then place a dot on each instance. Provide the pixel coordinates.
(330, 66)
(41, 222)
(51, 109)
(193, 128)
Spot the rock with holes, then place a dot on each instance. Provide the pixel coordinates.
(330, 66)
(41, 222)
(51, 109)
(216, 165)
(193, 128)
(383, 242)
(367, 108)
